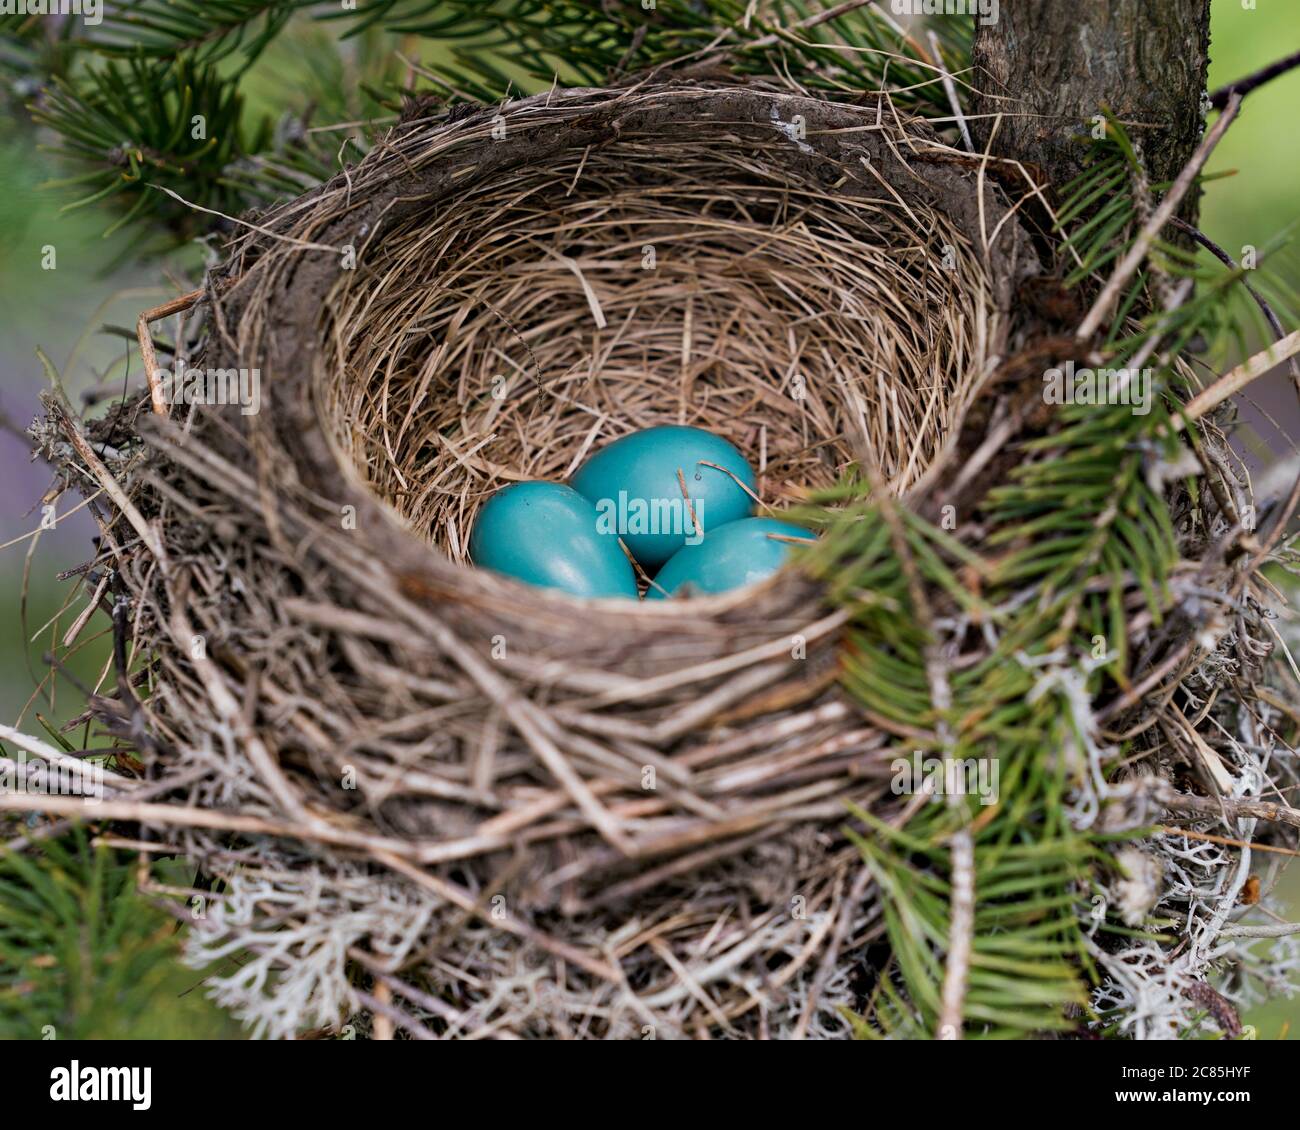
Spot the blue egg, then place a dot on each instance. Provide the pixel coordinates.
(633, 482)
(546, 534)
(728, 557)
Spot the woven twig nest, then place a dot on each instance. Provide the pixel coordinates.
(543, 809)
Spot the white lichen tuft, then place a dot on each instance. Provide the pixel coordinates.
(291, 931)
(1145, 992)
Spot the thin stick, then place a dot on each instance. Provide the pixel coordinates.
(144, 792)
(1165, 830)
(95, 465)
(690, 506)
(187, 817)
(1159, 218)
(157, 397)
(385, 1016)
(1272, 930)
(74, 765)
(1275, 323)
(951, 90)
(1216, 806)
(306, 244)
(1234, 381)
(805, 24)
(960, 934)
(1244, 86)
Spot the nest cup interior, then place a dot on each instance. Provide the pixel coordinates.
(698, 275)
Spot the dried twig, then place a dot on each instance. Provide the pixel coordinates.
(1160, 216)
(1243, 86)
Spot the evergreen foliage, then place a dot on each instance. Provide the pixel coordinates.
(84, 955)
(1075, 528)
(151, 98)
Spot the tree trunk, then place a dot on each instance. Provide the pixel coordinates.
(1051, 66)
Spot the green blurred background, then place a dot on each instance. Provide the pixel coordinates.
(95, 284)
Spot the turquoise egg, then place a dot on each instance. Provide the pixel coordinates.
(545, 534)
(729, 557)
(633, 482)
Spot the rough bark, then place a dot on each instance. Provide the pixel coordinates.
(1049, 66)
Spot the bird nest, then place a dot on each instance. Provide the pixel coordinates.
(471, 807)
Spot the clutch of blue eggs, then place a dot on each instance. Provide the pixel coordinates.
(681, 499)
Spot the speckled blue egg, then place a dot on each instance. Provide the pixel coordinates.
(728, 557)
(546, 534)
(634, 483)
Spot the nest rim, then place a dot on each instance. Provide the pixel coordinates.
(462, 154)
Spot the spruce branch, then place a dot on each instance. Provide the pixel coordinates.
(153, 97)
(1135, 254)
(206, 30)
(141, 121)
(32, 52)
(1083, 536)
(839, 49)
(83, 954)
